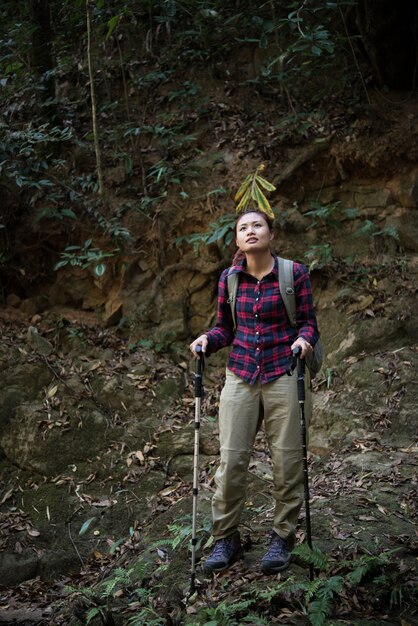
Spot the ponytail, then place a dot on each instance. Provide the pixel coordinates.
(238, 257)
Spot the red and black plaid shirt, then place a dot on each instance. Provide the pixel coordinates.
(261, 344)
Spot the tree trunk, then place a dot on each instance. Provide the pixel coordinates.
(389, 39)
(42, 57)
(93, 104)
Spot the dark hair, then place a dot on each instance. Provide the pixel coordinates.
(239, 255)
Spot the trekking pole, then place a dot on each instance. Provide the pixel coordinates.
(198, 392)
(300, 364)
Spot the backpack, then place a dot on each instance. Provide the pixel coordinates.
(315, 359)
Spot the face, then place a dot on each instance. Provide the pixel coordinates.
(253, 233)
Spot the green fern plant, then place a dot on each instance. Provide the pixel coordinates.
(146, 617)
(320, 598)
(322, 591)
(120, 578)
(226, 614)
(313, 556)
(368, 564)
(319, 255)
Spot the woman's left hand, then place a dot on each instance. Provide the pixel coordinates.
(304, 345)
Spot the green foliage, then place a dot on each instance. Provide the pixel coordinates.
(120, 578)
(330, 215)
(84, 528)
(85, 256)
(297, 40)
(324, 594)
(92, 613)
(302, 124)
(321, 593)
(181, 532)
(225, 613)
(319, 255)
(312, 556)
(146, 617)
(221, 232)
(369, 229)
(149, 344)
(28, 153)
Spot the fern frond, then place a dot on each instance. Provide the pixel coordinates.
(142, 567)
(312, 556)
(331, 586)
(312, 589)
(91, 614)
(255, 618)
(319, 610)
(366, 564)
(236, 607)
(159, 544)
(147, 617)
(286, 586)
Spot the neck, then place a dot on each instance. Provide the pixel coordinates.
(259, 264)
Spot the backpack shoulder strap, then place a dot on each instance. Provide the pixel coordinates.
(232, 283)
(287, 289)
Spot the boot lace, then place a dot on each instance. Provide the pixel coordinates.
(222, 546)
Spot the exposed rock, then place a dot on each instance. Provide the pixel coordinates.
(113, 310)
(30, 306)
(13, 300)
(405, 189)
(405, 223)
(38, 343)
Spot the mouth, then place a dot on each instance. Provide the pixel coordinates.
(252, 240)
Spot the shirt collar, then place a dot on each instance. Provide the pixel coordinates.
(241, 266)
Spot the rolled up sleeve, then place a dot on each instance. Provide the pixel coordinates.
(306, 323)
(222, 334)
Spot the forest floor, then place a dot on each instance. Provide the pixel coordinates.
(363, 506)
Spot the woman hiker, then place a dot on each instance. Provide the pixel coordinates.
(257, 388)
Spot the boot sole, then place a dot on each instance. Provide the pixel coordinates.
(266, 569)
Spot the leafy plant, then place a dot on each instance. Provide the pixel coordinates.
(321, 593)
(221, 231)
(224, 614)
(319, 255)
(85, 257)
(330, 214)
(146, 617)
(250, 191)
(181, 532)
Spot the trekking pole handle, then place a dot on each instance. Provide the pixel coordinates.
(198, 377)
(301, 375)
(293, 361)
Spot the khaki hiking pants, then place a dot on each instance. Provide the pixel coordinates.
(242, 409)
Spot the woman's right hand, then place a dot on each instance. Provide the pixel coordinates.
(200, 341)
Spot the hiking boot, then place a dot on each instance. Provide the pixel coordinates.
(278, 555)
(225, 552)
